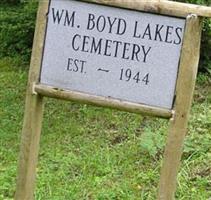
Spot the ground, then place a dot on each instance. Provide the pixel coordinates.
(90, 153)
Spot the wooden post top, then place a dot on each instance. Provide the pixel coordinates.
(164, 7)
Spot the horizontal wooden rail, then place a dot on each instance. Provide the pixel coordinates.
(102, 101)
(159, 6)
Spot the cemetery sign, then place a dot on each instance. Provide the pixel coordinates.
(112, 52)
(136, 56)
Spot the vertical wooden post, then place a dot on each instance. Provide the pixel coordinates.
(33, 115)
(184, 93)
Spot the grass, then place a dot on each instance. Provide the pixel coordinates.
(90, 153)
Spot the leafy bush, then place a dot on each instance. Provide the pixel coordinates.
(205, 61)
(17, 28)
(10, 2)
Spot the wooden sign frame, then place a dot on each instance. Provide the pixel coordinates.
(178, 115)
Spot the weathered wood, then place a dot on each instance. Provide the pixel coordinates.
(33, 116)
(184, 93)
(102, 101)
(161, 7)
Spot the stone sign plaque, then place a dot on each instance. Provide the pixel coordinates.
(112, 52)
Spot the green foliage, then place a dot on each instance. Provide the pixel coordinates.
(10, 2)
(152, 143)
(100, 154)
(205, 60)
(17, 29)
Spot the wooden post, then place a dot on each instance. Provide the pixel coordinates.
(184, 93)
(164, 7)
(33, 115)
(75, 96)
